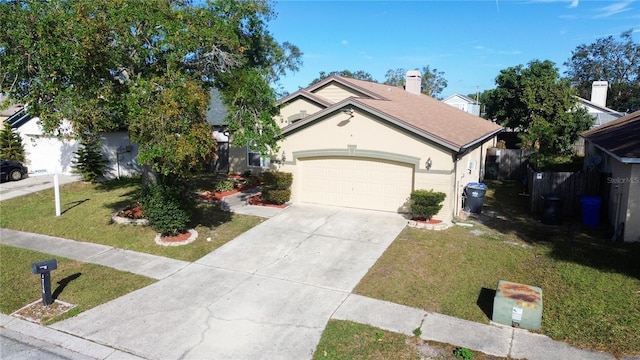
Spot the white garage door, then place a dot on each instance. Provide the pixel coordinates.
(355, 182)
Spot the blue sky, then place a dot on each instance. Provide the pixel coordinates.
(471, 41)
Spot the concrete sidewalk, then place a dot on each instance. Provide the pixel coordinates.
(156, 267)
(493, 339)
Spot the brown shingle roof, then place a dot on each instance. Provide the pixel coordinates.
(421, 114)
(621, 137)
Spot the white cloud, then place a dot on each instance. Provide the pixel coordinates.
(574, 4)
(345, 42)
(614, 9)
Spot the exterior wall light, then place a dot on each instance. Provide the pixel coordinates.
(428, 164)
(284, 157)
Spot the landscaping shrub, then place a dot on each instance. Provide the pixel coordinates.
(277, 180)
(11, 144)
(89, 162)
(224, 185)
(276, 196)
(426, 203)
(166, 207)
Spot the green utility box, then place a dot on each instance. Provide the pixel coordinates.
(518, 305)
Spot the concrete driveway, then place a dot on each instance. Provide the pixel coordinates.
(267, 294)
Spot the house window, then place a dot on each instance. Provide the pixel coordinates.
(254, 158)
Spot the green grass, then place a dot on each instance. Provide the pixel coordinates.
(86, 216)
(590, 286)
(344, 340)
(81, 284)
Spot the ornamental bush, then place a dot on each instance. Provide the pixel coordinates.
(166, 207)
(426, 203)
(89, 162)
(224, 185)
(277, 180)
(276, 196)
(11, 147)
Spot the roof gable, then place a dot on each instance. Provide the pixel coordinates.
(456, 98)
(620, 137)
(591, 105)
(419, 114)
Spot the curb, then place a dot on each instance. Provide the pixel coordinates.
(57, 342)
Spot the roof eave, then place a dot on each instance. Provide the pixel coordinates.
(622, 159)
(481, 139)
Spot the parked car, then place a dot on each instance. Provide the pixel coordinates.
(11, 170)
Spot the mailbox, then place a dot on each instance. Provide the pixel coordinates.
(44, 266)
(44, 269)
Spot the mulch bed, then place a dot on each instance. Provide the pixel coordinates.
(256, 200)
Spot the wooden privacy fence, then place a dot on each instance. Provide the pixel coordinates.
(506, 164)
(570, 186)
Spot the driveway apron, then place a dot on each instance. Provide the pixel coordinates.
(267, 294)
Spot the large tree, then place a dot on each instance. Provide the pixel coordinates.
(535, 101)
(433, 81)
(617, 62)
(146, 66)
(358, 75)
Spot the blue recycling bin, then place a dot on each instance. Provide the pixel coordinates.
(474, 197)
(591, 210)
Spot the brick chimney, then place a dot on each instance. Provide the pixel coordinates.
(599, 93)
(413, 82)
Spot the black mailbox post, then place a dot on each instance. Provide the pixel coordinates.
(44, 269)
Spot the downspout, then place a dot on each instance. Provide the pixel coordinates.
(481, 165)
(455, 185)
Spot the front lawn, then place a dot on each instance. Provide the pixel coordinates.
(591, 287)
(81, 284)
(86, 216)
(343, 340)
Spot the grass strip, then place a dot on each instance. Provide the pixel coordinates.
(82, 284)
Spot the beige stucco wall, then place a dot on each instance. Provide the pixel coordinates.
(335, 93)
(364, 136)
(294, 108)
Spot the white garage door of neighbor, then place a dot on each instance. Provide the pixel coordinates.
(355, 182)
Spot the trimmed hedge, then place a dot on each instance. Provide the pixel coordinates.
(276, 196)
(426, 203)
(277, 180)
(277, 186)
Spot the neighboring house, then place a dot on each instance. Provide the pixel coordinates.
(463, 103)
(47, 154)
(615, 148)
(366, 145)
(597, 105)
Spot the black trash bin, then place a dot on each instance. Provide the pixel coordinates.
(474, 197)
(551, 209)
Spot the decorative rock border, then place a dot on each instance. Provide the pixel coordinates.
(427, 226)
(127, 221)
(192, 238)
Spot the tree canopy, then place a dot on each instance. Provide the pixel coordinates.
(539, 104)
(146, 66)
(358, 75)
(433, 81)
(617, 62)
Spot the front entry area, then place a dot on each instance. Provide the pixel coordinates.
(355, 182)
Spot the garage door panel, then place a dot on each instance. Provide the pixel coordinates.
(355, 182)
